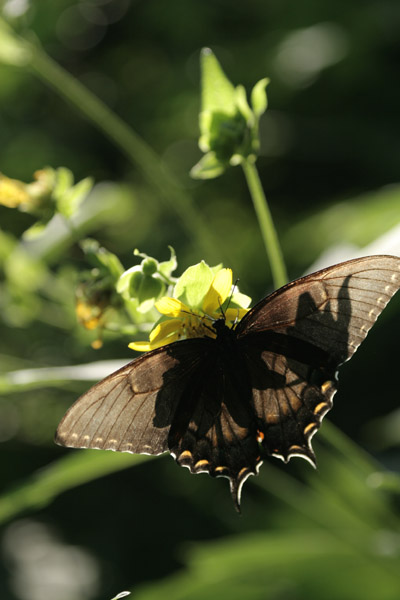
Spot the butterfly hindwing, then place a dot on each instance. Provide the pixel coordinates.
(215, 430)
(289, 399)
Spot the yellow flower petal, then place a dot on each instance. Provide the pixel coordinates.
(88, 315)
(140, 346)
(165, 329)
(171, 307)
(12, 192)
(218, 292)
(165, 333)
(146, 346)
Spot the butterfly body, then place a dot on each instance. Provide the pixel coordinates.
(220, 404)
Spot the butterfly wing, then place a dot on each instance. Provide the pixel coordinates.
(178, 398)
(215, 430)
(209, 402)
(295, 339)
(132, 409)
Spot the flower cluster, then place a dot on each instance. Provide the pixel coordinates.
(109, 298)
(181, 321)
(51, 192)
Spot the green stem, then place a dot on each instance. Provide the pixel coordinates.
(266, 224)
(167, 186)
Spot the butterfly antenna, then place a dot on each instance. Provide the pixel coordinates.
(230, 299)
(235, 285)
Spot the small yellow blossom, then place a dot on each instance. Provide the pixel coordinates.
(12, 192)
(90, 312)
(88, 315)
(185, 322)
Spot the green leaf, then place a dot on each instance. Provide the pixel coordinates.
(228, 126)
(129, 282)
(280, 564)
(149, 266)
(242, 104)
(64, 181)
(107, 262)
(218, 93)
(69, 202)
(35, 230)
(259, 100)
(205, 120)
(24, 270)
(193, 284)
(70, 471)
(150, 290)
(168, 266)
(136, 285)
(208, 167)
(7, 243)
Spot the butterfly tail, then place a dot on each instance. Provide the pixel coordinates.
(236, 483)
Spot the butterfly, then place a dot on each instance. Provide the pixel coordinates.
(220, 404)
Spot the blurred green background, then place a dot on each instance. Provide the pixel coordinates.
(329, 164)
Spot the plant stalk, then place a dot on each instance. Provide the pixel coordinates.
(266, 224)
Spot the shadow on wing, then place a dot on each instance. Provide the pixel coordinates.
(293, 394)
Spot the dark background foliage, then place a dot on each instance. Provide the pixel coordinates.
(329, 165)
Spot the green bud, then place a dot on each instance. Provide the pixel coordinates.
(150, 289)
(135, 281)
(149, 266)
(228, 125)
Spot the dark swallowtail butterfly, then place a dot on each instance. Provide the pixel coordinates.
(218, 405)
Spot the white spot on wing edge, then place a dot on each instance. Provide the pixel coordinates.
(381, 301)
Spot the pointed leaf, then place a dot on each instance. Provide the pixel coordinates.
(242, 104)
(208, 167)
(218, 93)
(66, 473)
(71, 200)
(259, 100)
(168, 266)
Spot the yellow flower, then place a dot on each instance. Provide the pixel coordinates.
(185, 322)
(91, 307)
(88, 315)
(12, 192)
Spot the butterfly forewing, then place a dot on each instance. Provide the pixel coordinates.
(295, 339)
(332, 309)
(132, 409)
